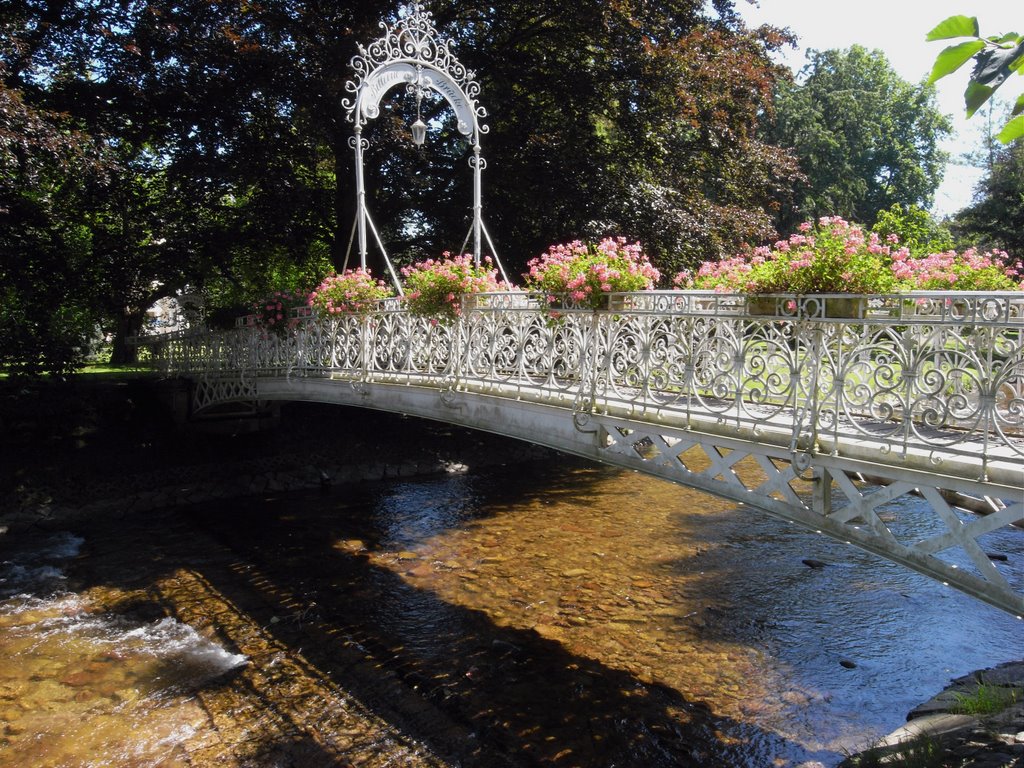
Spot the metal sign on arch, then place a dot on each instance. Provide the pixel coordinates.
(410, 55)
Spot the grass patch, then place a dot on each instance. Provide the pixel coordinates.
(91, 369)
(985, 700)
(107, 369)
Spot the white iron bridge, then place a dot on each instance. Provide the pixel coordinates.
(826, 422)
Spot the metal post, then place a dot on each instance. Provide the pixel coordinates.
(822, 480)
(360, 195)
(477, 204)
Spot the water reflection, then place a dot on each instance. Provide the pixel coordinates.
(562, 614)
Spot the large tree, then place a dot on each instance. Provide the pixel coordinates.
(996, 217)
(46, 163)
(866, 139)
(232, 144)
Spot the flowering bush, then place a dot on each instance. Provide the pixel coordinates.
(274, 313)
(435, 288)
(729, 274)
(353, 291)
(585, 272)
(833, 256)
(949, 271)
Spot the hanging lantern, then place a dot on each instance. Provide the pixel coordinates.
(419, 132)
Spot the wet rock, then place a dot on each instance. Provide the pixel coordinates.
(847, 664)
(574, 572)
(811, 563)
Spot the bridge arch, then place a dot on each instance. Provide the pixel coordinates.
(410, 54)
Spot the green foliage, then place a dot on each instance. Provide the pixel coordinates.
(916, 229)
(996, 217)
(648, 130)
(985, 699)
(230, 167)
(865, 138)
(995, 59)
(46, 165)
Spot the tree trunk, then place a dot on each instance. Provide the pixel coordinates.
(122, 353)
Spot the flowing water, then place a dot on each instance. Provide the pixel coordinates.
(556, 613)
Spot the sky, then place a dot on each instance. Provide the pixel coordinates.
(898, 28)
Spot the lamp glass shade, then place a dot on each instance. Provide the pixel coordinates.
(419, 133)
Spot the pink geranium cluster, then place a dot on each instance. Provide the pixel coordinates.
(729, 274)
(585, 272)
(830, 256)
(274, 312)
(950, 271)
(354, 291)
(434, 288)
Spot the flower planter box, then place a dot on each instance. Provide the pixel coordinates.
(809, 307)
(854, 307)
(762, 305)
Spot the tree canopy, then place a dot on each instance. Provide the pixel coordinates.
(866, 139)
(996, 217)
(150, 147)
(219, 156)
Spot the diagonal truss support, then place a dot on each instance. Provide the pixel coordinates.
(823, 495)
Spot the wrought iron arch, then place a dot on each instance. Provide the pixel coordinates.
(410, 54)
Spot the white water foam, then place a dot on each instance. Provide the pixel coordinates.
(34, 599)
(38, 569)
(169, 639)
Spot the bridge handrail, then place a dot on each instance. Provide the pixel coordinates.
(930, 377)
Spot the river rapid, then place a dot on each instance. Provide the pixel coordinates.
(555, 613)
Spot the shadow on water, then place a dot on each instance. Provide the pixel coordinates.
(332, 618)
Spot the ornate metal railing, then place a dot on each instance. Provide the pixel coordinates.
(927, 376)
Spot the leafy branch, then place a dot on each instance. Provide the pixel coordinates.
(995, 59)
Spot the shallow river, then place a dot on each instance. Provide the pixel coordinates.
(557, 613)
